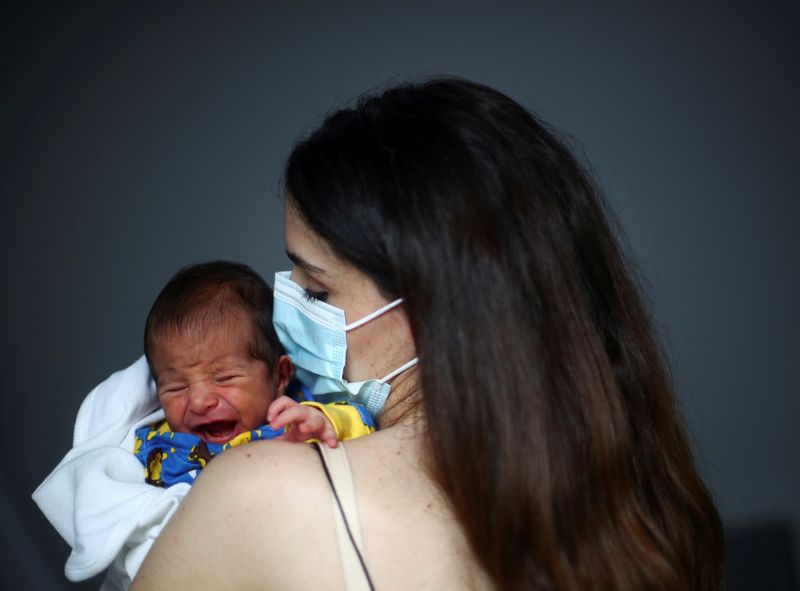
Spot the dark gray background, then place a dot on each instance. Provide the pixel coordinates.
(137, 139)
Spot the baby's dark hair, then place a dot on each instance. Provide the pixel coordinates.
(210, 296)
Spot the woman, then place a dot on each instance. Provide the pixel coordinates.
(536, 445)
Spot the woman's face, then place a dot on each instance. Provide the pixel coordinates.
(373, 349)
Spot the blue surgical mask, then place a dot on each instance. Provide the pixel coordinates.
(314, 335)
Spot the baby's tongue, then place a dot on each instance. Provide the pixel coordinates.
(218, 431)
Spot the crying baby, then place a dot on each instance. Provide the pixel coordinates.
(222, 377)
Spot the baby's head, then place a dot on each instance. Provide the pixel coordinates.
(213, 351)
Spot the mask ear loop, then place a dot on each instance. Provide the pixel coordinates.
(373, 315)
(399, 370)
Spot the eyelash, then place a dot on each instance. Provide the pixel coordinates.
(311, 295)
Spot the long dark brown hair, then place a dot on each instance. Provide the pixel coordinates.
(557, 439)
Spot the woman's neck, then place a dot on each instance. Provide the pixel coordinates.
(404, 405)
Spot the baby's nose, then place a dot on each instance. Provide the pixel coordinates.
(202, 398)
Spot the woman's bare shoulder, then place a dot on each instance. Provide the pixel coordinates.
(273, 474)
(262, 481)
(243, 522)
(250, 463)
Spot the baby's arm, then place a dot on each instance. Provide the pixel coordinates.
(338, 421)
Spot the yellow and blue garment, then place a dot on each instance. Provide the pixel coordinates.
(170, 457)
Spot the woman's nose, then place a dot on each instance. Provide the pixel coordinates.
(202, 398)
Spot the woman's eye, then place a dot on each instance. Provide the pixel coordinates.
(312, 295)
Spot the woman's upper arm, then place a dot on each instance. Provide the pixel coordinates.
(248, 520)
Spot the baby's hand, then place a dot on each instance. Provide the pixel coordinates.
(302, 422)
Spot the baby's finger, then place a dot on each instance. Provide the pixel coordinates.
(312, 424)
(319, 427)
(328, 435)
(292, 415)
(280, 404)
(292, 434)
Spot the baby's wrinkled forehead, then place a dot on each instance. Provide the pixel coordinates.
(203, 340)
(224, 318)
(220, 313)
(231, 323)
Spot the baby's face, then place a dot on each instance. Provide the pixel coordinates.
(210, 386)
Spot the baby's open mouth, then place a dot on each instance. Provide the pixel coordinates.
(217, 432)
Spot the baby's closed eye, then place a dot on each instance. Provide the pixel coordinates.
(171, 389)
(226, 378)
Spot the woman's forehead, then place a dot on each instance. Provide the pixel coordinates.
(305, 247)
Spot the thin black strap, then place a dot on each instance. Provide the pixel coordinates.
(344, 517)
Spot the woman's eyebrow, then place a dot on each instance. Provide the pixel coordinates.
(303, 264)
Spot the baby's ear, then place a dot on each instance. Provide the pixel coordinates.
(284, 370)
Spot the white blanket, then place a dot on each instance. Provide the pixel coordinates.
(96, 497)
